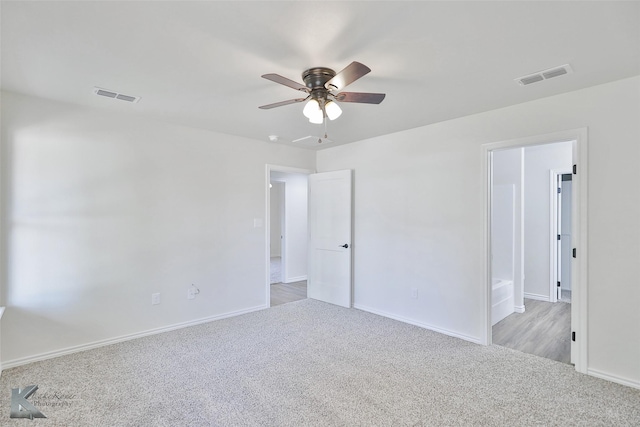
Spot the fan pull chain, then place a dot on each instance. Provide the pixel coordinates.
(325, 127)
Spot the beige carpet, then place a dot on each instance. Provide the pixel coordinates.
(313, 364)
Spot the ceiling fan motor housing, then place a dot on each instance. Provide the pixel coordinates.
(315, 79)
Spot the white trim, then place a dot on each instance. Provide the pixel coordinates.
(553, 230)
(295, 279)
(522, 237)
(538, 297)
(613, 378)
(420, 324)
(487, 202)
(102, 343)
(579, 234)
(267, 229)
(579, 239)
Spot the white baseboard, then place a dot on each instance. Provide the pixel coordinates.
(416, 323)
(89, 346)
(295, 279)
(613, 378)
(537, 297)
(519, 308)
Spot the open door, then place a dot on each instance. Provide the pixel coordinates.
(329, 267)
(559, 227)
(565, 237)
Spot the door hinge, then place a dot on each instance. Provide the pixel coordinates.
(559, 190)
(573, 336)
(558, 237)
(558, 284)
(574, 252)
(575, 169)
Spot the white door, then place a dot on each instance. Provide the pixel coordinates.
(565, 224)
(329, 268)
(559, 225)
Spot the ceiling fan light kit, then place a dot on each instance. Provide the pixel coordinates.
(312, 110)
(320, 85)
(333, 110)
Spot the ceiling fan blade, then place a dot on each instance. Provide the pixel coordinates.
(285, 81)
(362, 97)
(350, 74)
(281, 103)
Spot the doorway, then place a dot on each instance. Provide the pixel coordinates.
(286, 234)
(529, 175)
(540, 293)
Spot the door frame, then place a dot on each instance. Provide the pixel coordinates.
(554, 218)
(579, 270)
(267, 229)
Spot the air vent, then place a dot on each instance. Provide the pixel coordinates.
(106, 93)
(545, 75)
(531, 79)
(116, 95)
(554, 73)
(312, 141)
(127, 98)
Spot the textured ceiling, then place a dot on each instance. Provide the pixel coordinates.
(199, 63)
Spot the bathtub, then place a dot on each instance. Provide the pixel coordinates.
(502, 302)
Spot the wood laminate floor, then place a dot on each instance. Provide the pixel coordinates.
(544, 329)
(282, 293)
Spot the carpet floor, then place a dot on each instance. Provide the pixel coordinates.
(308, 363)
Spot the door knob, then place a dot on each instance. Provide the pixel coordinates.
(346, 246)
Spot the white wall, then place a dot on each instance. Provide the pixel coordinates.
(276, 212)
(101, 210)
(508, 169)
(295, 236)
(419, 217)
(503, 215)
(538, 162)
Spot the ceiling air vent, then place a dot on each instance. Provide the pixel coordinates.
(116, 95)
(545, 75)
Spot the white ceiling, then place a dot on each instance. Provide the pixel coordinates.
(199, 63)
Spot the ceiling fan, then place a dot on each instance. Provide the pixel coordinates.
(321, 85)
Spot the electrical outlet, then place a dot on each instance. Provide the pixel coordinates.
(155, 299)
(414, 293)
